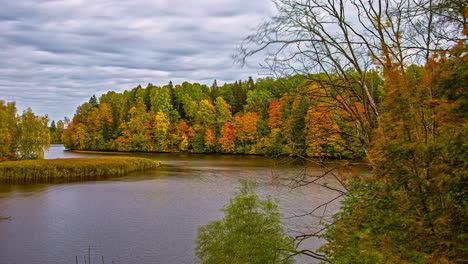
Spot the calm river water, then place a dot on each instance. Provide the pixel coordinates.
(146, 217)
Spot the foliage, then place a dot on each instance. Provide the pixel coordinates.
(56, 131)
(413, 209)
(23, 136)
(250, 232)
(389, 76)
(245, 117)
(35, 171)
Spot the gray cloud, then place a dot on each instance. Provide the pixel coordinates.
(56, 54)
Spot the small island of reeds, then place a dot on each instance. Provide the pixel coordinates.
(72, 169)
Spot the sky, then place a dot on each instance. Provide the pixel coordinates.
(54, 55)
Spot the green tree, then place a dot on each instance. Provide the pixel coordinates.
(258, 101)
(93, 101)
(250, 232)
(34, 135)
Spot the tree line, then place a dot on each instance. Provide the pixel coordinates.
(269, 116)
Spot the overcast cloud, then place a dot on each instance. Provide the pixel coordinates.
(55, 54)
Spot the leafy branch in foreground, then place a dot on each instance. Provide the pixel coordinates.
(250, 232)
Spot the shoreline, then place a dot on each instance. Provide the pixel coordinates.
(71, 169)
(285, 155)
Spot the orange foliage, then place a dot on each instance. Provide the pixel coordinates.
(246, 126)
(320, 128)
(209, 138)
(227, 137)
(274, 115)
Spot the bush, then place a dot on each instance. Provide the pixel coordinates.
(250, 232)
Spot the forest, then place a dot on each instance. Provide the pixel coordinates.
(269, 116)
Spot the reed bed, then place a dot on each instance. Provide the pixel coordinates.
(72, 169)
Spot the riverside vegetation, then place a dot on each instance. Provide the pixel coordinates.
(73, 169)
(389, 86)
(24, 136)
(23, 140)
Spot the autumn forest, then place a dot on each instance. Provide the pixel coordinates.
(246, 117)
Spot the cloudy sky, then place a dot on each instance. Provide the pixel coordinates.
(55, 54)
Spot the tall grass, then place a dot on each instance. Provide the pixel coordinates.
(73, 169)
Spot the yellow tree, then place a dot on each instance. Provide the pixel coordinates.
(322, 134)
(245, 125)
(8, 130)
(34, 135)
(99, 127)
(157, 131)
(183, 135)
(133, 131)
(223, 112)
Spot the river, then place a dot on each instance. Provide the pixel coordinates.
(146, 217)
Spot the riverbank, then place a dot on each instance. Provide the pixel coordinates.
(71, 169)
(350, 161)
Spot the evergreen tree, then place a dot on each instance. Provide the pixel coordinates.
(93, 101)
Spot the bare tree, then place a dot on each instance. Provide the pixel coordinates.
(348, 41)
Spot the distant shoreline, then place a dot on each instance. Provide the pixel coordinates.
(283, 155)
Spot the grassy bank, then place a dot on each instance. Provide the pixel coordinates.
(73, 169)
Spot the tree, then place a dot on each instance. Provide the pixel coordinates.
(240, 95)
(258, 101)
(99, 128)
(59, 131)
(214, 86)
(133, 131)
(227, 137)
(8, 130)
(157, 132)
(22, 137)
(223, 111)
(161, 100)
(274, 115)
(34, 135)
(245, 125)
(52, 127)
(205, 114)
(250, 232)
(184, 134)
(321, 131)
(210, 140)
(93, 101)
(410, 210)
